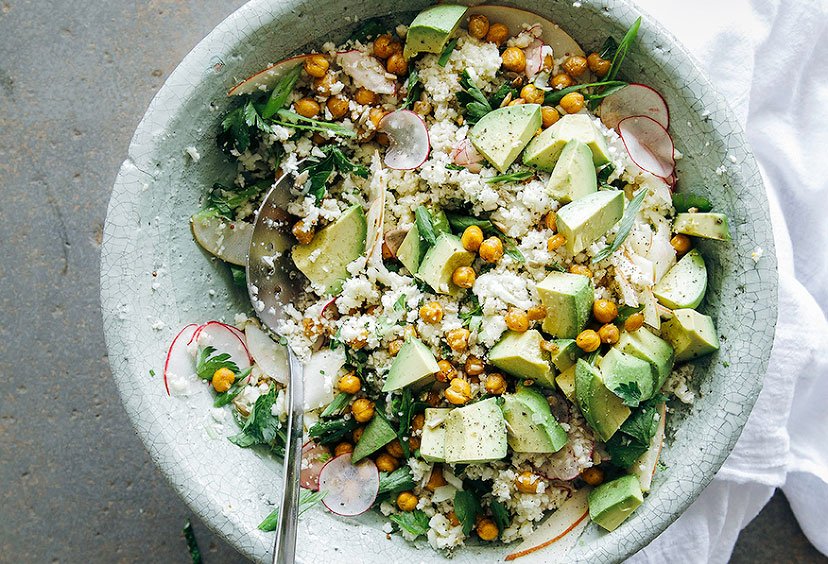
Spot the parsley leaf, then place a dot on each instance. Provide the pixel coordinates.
(405, 409)
(475, 310)
(414, 523)
(413, 89)
(624, 313)
(643, 423)
(261, 426)
(511, 177)
(224, 202)
(336, 406)
(192, 543)
(467, 508)
(624, 451)
(398, 480)
(629, 392)
(634, 437)
(239, 276)
(307, 499)
(604, 174)
(369, 29)
(446, 54)
(296, 121)
(425, 227)
(237, 387)
(333, 431)
(206, 365)
(281, 93)
(684, 201)
(500, 515)
(624, 228)
(320, 171)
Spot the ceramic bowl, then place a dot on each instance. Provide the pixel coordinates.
(155, 279)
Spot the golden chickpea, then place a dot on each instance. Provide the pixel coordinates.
(474, 366)
(491, 250)
(343, 448)
(604, 311)
(593, 476)
(396, 64)
(580, 269)
(498, 34)
(458, 392)
(414, 443)
(496, 384)
(598, 65)
(458, 339)
(681, 243)
(383, 139)
(407, 501)
(357, 434)
(436, 479)
(478, 26)
(385, 46)
(418, 422)
(310, 328)
(410, 332)
(452, 517)
(318, 139)
(316, 66)
(575, 65)
(307, 107)
(634, 322)
(431, 312)
(572, 103)
(527, 482)
(536, 312)
(375, 116)
(609, 334)
(303, 232)
(551, 221)
(517, 320)
(561, 81)
(365, 97)
(362, 410)
(386, 463)
(359, 342)
(532, 94)
(394, 448)
(471, 238)
(223, 378)
(549, 116)
(322, 86)
(422, 107)
(350, 383)
(447, 371)
(513, 59)
(588, 340)
(463, 276)
(487, 530)
(516, 102)
(395, 346)
(555, 242)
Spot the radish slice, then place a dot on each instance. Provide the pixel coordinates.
(534, 58)
(228, 240)
(558, 534)
(328, 304)
(465, 154)
(649, 145)
(634, 100)
(268, 355)
(266, 79)
(314, 458)
(367, 72)
(352, 488)
(409, 139)
(563, 465)
(217, 335)
(180, 362)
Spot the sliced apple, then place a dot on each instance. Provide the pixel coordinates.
(228, 240)
(559, 532)
(269, 355)
(645, 467)
(266, 79)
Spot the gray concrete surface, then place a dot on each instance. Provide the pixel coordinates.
(75, 482)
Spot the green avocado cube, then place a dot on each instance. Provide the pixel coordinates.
(475, 433)
(706, 225)
(618, 368)
(431, 29)
(685, 284)
(574, 174)
(414, 365)
(377, 434)
(589, 218)
(440, 262)
(691, 334)
(564, 353)
(602, 409)
(612, 502)
(409, 252)
(566, 383)
(521, 355)
(433, 439)
(501, 135)
(568, 299)
(530, 424)
(655, 350)
(545, 149)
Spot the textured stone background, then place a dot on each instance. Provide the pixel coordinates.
(77, 485)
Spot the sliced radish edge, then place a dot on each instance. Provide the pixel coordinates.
(410, 143)
(223, 327)
(266, 77)
(649, 145)
(352, 488)
(314, 458)
(180, 336)
(634, 100)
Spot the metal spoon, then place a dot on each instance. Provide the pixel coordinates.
(272, 283)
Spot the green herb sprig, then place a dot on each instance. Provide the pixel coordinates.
(320, 171)
(460, 222)
(511, 177)
(446, 54)
(413, 90)
(602, 89)
(415, 523)
(192, 543)
(307, 499)
(627, 221)
(207, 363)
(296, 121)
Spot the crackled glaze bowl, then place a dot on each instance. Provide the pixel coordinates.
(155, 279)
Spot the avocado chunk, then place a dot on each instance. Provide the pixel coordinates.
(440, 262)
(684, 285)
(574, 174)
(501, 135)
(431, 29)
(612, 502)
(414, 365)
(475, 433)
(564, 353)
(545, 149)
(691, 334)
(646, 346)
(603, 410)
(326, 258)
(409, 252)
(521, 355)
(566, 383)
(707, 225)
(618, 368)
(433, 439)
(587, 219)
(377, 434)
(530, 425)
(568, 299)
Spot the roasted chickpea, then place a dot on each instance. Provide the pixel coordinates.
(463, 276)
(536, 312)
(551, 221)
(471, 238)
(598, 65)
(436, 479)
(513, 59)
(474, 366)
(407, 501)
(447, 371)
(527, 482)
(593, 476)
(413, 443)
(316, 66)
(588, 340)
(634, 322)
(555, 242)
(318, 139)
(418, 422)
(360, 341)
(422, 107)
(495, 384)
(343, 448)
(433, 398)
(575, 65)
(365, 97)
(549, 116)
(580, 269)
(303, 232)
(375, 116)
(681, 243)
(410, 332)
(350, 383)
(491, 250)
(322, 86)
(458, 392)
(478, 26)
(498, 34)
(609, 334)
(458, 339)
(307, 107)
(487, 530)
(532, 94)
(452, 517)
(561, 81)
(386, 463)
(357, 434)
(395, 346)
(394, 448)
(396, 64)
(363, 410)
(431, 312)
(572, 103)
(385, 46)
(223, 378)
(604, 311)
(517, 320)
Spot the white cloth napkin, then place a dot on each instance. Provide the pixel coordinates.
(770, 59)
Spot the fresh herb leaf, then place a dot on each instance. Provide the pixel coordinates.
(413, 90)
(475, 310)
(624, 313)
(355, 359)
(510, 249)
(555, 267)
(239, 124)
(206, 365)
(192, 543)
(296, 121)
(617, 59)
(452, 166)
(459, 223)
(398, 480)
(609, 48)
(281, 93)
(336, 406)
(320, 171)
(643, 423)
(624, 451)
(496, 99)
(627, 221)
(684, 201)
(446, 54)
(604, 174)
(239, 276)
(553, 97)
(472, 98)
(369, 29)
(332, 431)
(237, 387)
(222, 201)
(511, 177)
(406, 413)
(400, 304)
(415, 523)
(307, 499)
(261, 426)
(425, 227)
(152, 373)
(500, 515)
(629, 392)
(467, 508)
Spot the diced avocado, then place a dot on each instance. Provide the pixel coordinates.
(409, 252)
(707, 225)
(501, 135)
(564, 353)
(529, 423)
(684, 285)
(440, 222)
(433, 440)
(566, 383)
(619, 368)
(414, 365)
(325, 259)
(521, 355)
(377, 434)
(691, 334)
(646, 346)
(574, 174)
(431, 29)
(612, 502)
(603, 410)
(587, 219)
(545, 149)
(441, 260)
(475, 433)
(568, 299)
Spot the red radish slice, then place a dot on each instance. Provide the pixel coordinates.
(634, 100)
(649, 145)
(268, 355)
(409, 139)
(465, 154)
(314, 458)
(557, 535)
(328, 304)
(534, 58)
(563, 465)
(352, 488)
(267, 78)
(217, 335)
(179, 361)
(367, 72)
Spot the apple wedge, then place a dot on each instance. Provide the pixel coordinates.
(558, 533)
(269, 355)
(644, 468)
(266, 79)
(228, 240)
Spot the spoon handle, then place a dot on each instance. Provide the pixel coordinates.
(284, 549)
